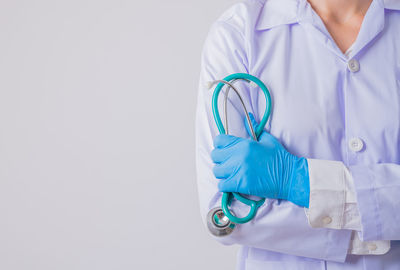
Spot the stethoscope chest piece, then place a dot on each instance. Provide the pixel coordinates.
(218, 224)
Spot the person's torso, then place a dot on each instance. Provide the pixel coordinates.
(323, 100)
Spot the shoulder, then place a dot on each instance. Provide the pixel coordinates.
(226, 46)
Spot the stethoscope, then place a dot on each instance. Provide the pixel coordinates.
(221, 221)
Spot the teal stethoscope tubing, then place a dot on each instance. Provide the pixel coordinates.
(227, 196)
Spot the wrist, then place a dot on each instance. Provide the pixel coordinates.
(299, 192)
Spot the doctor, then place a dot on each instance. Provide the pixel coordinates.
(328, 161)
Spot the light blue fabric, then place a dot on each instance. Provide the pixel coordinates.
(319, 104)
(262, 168)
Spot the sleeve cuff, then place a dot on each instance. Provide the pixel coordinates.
(327, 194)
(358, 247)
(332, 198)
(368, 206)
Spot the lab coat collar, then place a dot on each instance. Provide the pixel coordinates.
(306, 14)
(392, 4)
(279, 12)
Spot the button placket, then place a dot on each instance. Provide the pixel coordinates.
(354, 143)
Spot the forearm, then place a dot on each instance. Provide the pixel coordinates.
(362, 197)
(279, 225)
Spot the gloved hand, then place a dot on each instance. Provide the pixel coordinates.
(264, 168)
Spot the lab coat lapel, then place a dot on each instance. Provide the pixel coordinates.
(372, 25)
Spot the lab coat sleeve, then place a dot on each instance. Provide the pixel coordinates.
(333, 204)
(377, 197)
(279, 225)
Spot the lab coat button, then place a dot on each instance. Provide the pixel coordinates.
(372, 247)
(327, 220)
(353, 65)
(356, 144)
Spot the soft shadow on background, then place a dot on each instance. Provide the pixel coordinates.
(97, 103)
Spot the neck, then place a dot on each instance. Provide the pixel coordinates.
(340, 11)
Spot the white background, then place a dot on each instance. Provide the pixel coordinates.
(97, 103)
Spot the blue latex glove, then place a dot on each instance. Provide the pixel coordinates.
(264, 168)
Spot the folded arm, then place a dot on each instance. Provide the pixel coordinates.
(279, 225)
(365, 198)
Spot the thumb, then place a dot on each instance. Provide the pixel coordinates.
(253, 123)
